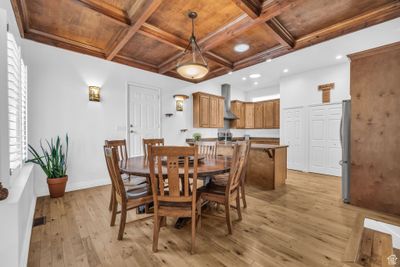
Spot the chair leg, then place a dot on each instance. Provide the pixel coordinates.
(228, 217)
(193, 232)
(156, 231)
(114, 213)
(122, 222)
(198, 222)
(243, 196)
(111, 199)
(238, 206)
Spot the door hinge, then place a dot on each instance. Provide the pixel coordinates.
(8, 27)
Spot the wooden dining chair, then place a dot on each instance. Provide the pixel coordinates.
(122, 154)
(208, 149)
(171, 164)
(151, 142)
(225, 194)
(126, 198)
(222, 179)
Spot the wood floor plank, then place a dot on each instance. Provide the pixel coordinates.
(303, 223)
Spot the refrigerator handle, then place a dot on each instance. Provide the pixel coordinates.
(341, 131)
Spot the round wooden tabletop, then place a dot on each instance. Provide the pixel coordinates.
(208, 166)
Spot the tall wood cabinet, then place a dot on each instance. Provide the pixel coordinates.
(256, 115)
(375, 127)
(208, 110)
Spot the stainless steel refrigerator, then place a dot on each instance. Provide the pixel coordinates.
(345, 143)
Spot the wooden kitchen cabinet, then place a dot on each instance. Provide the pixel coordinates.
(249, 115)
(258, 115)
(268, 114)
(276, 121)
(238, 108)
(208, 110)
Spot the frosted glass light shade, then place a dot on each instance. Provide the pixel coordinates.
(192, 70)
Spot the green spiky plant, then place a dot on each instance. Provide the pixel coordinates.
(54, 159)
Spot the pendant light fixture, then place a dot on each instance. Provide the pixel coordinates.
(192, 64)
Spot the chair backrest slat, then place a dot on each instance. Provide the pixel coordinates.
(174, 159)
(112, 161)
(208, 149)
(239, 160)
(151, 142)
(121, 149)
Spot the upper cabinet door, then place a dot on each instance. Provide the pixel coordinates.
(214, 112)
(204, 111)
(269, 115)
(249, 115)
(258, 115)
(276, 114)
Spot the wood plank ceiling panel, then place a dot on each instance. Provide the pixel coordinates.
(146, 49)
(67, 19)
(212, 15)
(257, 38)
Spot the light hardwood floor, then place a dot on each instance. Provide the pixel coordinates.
(301, 224)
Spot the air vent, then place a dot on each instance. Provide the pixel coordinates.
(39, 221)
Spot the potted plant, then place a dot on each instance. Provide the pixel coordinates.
(53, 162)
(197, 137)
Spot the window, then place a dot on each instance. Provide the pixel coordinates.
(17, 104)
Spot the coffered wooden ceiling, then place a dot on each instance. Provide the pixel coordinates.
(152, 34)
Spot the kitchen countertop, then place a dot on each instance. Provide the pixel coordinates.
(234, 139)
(267, 146)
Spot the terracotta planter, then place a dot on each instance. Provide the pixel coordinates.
(57, 186)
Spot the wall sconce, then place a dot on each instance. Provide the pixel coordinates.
(179, 101)
(94, 93)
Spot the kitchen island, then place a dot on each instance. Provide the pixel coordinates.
(267, 166)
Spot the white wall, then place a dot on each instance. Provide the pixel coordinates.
(301, 91)
(58, 104)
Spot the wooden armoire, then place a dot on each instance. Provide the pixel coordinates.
(375, 129)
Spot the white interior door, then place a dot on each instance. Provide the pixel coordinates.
(324, 143)
(293, 136)
(143, 116)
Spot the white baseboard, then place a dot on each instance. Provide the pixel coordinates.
(76, 186)
(27, 240)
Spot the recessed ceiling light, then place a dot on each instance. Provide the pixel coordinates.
(255, 75)
(240, 48)
(255, 83)
(285, 70)
(244, 78)
(269, 60)
(230, 72)
(339, 56)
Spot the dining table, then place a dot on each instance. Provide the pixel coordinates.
(207, 167)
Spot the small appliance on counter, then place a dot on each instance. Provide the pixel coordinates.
(246, 137)
(224, 135)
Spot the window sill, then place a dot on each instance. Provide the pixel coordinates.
(18, 183)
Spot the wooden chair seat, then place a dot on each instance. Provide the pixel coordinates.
(138, 191)
(220, 179)
(212, 188)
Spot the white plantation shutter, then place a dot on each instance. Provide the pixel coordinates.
(17, 104)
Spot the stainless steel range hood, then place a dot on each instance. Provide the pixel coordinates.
(226, 92)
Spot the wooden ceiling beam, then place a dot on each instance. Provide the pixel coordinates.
(261, 57)
(21, 16)
(172, 40)
(135, 63)
(62, 42)
(280, 33)
(140, 17)
(116, 14)
(366, 19)
(251, 7)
